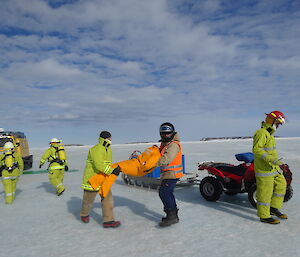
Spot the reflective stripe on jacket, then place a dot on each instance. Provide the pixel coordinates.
(266, 162)
(12, 177)
(98, 161)
(176, 164)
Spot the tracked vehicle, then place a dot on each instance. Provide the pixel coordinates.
(20, 142)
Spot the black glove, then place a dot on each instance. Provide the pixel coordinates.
(66, 168)
(40, 166)
(116, 171)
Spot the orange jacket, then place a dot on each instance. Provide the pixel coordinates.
(140, 166)
(176, 164)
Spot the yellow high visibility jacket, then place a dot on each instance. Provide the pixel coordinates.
(98, 162)
(266, 162)
(51, 154)
(142, 165)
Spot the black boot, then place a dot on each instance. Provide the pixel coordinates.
(270, 220)
(163, 218)
(170, 219)
(277, 213)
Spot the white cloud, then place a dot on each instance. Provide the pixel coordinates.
(114, 60)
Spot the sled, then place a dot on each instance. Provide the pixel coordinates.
(152, 180)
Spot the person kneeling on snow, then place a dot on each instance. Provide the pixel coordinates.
(99, 161)
(171, 169)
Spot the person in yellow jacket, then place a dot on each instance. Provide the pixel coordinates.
(12, 165)
(270, 181)
(171, 169)
(138, 166)
(57, 165)
(99, 160)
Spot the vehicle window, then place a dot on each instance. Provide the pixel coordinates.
(3, 140)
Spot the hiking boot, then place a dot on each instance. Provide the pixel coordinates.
(85, 219)
(170, 219)
(277, 213)
(164, 218)
(270, 220)
(111, 224)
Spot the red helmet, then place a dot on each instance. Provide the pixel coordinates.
(277, 116)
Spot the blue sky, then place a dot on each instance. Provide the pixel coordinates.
(70, 69)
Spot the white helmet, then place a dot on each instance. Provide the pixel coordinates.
(8, 145)
(54, 140)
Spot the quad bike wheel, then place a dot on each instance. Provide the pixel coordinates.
(210, 188)
(252, 194)
(289, 193)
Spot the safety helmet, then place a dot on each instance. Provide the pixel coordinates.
(8, 145)
(54, 140)
(167, 131)
(166, 128)
(135, 154)
(105, 134)
(277, 116)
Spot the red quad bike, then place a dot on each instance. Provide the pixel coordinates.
(233, 179)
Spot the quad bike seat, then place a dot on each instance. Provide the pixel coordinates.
(237, 170)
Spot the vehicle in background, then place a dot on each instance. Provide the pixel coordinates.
(20, 142)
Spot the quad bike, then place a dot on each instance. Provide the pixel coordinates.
(233, 179)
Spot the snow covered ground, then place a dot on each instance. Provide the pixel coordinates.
(39, 223)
